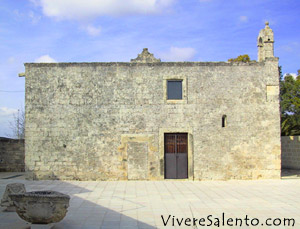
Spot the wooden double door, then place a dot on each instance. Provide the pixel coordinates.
(176, 155)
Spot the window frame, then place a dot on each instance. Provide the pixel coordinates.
(183, 79)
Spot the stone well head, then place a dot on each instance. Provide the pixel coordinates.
(41, 207)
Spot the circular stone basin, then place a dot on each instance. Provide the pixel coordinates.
(41, 207)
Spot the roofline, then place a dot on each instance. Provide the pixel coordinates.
(186, 64)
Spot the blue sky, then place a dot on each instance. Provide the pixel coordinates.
(117, 30)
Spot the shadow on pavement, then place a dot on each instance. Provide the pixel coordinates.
(290, 174)
(92, 205)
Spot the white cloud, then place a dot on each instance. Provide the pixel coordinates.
(86, 9)
(243, 18)
(292, 74)
(21, 16)
(92, 30)
(5, 111)
(45, 59)
(34, 18)
(35, 2)
(178, 54)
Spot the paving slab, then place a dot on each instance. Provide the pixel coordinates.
(169, 204)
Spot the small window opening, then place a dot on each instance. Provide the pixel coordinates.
(174, 89)
(224, 121)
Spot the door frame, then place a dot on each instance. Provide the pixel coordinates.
(162, 132)
(176, 161)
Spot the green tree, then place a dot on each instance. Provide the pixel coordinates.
(242, 58)
(290, 104)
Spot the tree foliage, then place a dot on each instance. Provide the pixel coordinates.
(290, 104)
(242, 58)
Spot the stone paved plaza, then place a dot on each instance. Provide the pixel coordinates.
(140, 204)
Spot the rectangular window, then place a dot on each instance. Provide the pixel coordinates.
(174, 89)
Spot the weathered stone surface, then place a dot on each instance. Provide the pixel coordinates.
(138, 161)
(290, 147)
(82, 119)
(14, 188)
(41, 207)
(265, 42)
(12, 155)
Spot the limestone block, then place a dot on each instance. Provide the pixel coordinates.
(137, 161)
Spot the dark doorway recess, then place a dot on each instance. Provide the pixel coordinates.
(176, 156)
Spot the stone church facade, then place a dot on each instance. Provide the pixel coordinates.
(153, 120)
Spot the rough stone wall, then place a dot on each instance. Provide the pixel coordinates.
(12, 155)
(290, 148)
(102, 121)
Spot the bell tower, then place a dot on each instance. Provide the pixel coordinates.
(265, 43)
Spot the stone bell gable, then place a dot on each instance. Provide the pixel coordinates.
(265, 43)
